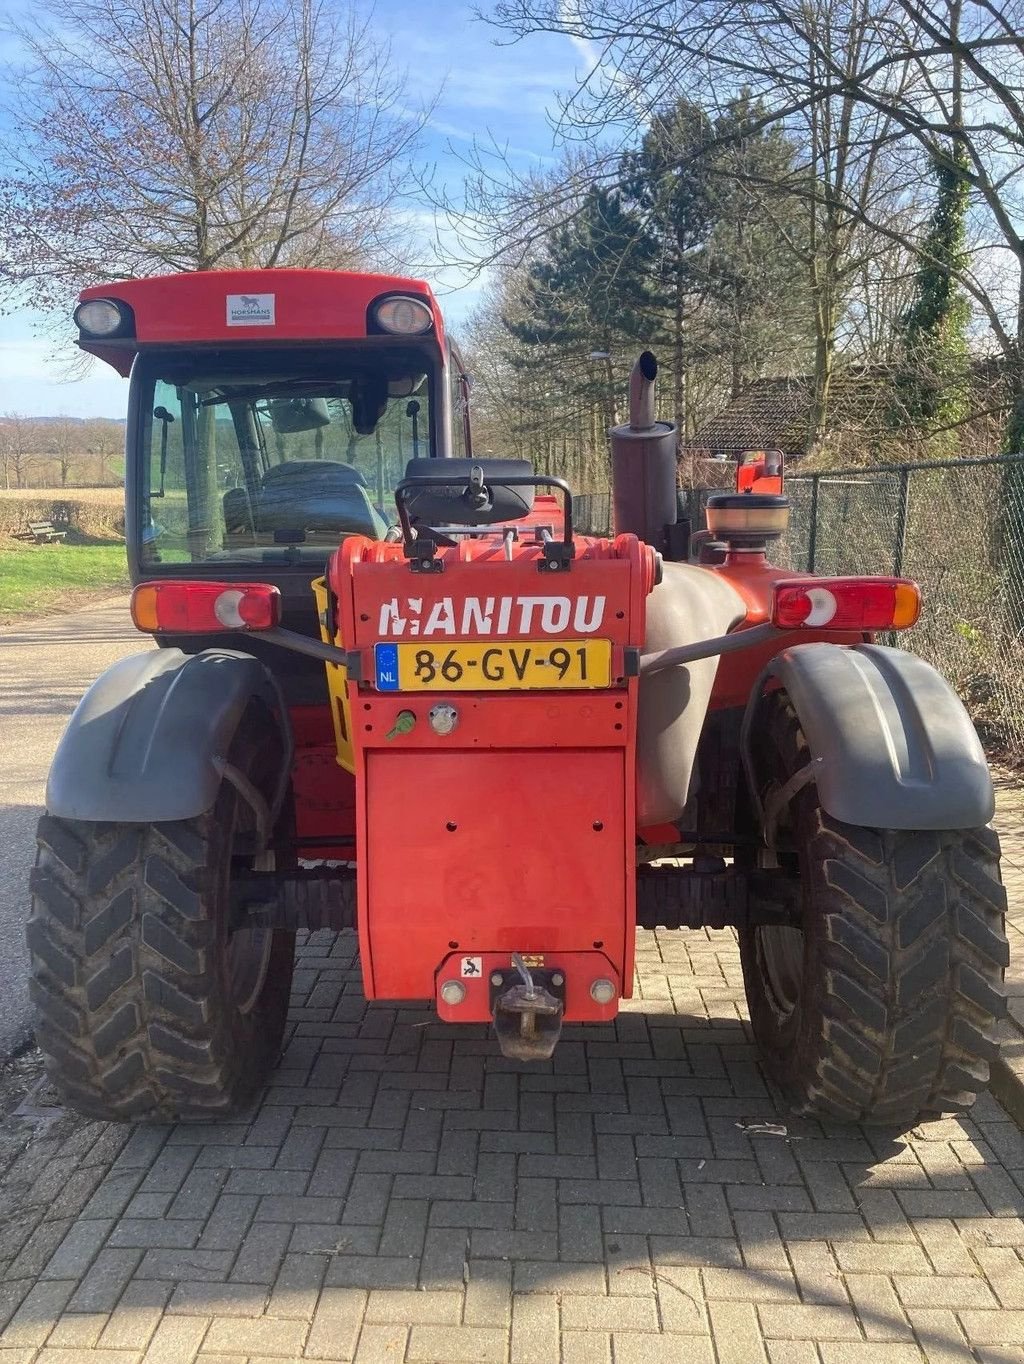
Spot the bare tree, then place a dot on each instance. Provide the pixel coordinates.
(15, 449)
(103, 440)
(199, 134)
(63, 441)
(939, 75)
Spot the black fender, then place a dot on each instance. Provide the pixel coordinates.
(891, 744)
(149, 740)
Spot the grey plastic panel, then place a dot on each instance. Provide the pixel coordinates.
(688, 605)
(141, 745)
(898, 748)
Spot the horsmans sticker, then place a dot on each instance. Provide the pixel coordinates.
(250, 310)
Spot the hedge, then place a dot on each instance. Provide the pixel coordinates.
(101, 517)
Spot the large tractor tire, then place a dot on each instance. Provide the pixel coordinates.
(151, 1004)
(882, 1006)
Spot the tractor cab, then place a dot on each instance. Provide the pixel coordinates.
(272, 414)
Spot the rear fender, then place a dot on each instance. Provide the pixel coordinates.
(891, 745)
(149, 741)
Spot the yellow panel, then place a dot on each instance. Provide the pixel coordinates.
(337, 683)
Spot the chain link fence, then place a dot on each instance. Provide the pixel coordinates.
(957, 528)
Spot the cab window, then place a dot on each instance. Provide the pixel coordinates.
(273, 464)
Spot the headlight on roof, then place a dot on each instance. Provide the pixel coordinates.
(98, 317)
(403, 316)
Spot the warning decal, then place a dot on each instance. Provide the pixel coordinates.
(472, 966)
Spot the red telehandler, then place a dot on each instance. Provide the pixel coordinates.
(489, 744)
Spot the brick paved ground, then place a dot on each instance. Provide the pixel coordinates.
(401, 1193)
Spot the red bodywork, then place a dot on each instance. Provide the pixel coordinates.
(309, 305)
(516, 832)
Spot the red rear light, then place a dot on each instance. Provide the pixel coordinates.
(191, 608)
(846, 604)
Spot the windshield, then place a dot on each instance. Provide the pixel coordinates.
(275, 458)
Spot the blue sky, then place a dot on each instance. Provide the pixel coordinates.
(489, 90)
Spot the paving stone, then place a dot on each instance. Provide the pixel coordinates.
(337, 1323)
(471, 1344)
(991, 1327)
(77, 1330)
(144, 1233)
(133, 1322)
(78, 1249)
(944, 1247)
(582, 1312)
(856, 1258)
(105, 1280)
(370, 1271)
(793, 1352)
(380, 1345)
(297, 1286)
(634, 1347)
(488, 1296)
(863, 1352)
(261, 1252)
(256, 1336)
(586, 1347)
(939, 1336)
(877, 1307)
(750, 1285)
(955, 1293)
(218, 1299)
(808, 1322)
(736, 1333)
(1003, 1272)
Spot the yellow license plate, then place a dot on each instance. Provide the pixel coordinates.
(526, 665)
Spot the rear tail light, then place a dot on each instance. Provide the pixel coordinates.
(191, 608)
(846, 604)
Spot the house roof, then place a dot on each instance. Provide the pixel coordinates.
(770, 414)
(773, 414)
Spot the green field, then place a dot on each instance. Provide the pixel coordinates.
(34, 578)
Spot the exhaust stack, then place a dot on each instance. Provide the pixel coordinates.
(641, 393)
(643, 457)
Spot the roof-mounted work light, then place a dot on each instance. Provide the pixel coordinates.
(403, 316)
(103, 317)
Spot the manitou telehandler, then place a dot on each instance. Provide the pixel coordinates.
(489, 744)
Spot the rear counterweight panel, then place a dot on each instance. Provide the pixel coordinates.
(492, 851)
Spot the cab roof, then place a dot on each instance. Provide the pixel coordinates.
(268, 307)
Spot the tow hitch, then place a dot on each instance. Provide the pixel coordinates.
(527, 1005)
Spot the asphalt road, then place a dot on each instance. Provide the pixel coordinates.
(45, 666)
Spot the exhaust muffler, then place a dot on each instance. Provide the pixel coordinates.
(644, 457)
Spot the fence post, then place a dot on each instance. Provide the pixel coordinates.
(902, 517)
(812, 540)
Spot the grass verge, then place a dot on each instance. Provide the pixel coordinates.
(34, 578)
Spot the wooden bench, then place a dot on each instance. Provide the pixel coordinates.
(41, 532)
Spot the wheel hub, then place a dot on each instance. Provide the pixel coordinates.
(781, 950)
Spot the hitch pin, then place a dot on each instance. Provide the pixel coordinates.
(524, 971)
